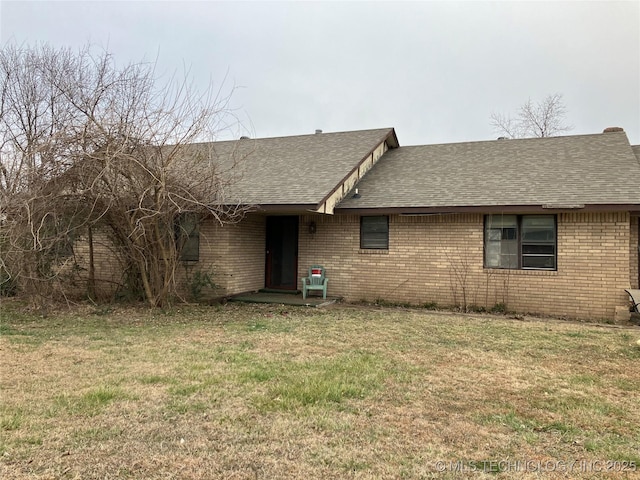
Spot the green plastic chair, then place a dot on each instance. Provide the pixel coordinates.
(315, 281)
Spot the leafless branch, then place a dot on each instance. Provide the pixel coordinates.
(542, 119)
(85, 143)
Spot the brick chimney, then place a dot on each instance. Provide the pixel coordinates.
(613, 129)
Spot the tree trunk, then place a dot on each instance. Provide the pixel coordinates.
(91, 281)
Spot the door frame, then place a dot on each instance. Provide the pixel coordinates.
(283, 242)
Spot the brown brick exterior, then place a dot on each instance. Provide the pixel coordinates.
(634, 253)
(440, 259)
(233, 254)
(107, 269)
(435, 258)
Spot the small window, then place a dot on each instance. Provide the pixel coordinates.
(187, 233)
(520, 242)
(374, 232)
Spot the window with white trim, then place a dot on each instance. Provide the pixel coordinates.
(520, 242)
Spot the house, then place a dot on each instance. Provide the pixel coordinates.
(547, 225)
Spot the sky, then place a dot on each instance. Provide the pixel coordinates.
(435, 71)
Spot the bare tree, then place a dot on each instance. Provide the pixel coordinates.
(542, 119)
(460, 278)
(84, 145)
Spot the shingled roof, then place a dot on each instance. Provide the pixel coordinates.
(292, 173)
(572, 172)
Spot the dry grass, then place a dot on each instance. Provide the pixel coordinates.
(245, 391)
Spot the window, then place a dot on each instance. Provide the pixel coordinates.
(520, 242)
(500, 241)
(187, 233)
(374, 232)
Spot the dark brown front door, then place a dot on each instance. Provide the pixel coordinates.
(282, 253)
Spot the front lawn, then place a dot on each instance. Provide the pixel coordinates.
(255, 391)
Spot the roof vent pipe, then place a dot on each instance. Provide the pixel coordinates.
(318, 131)
(244, 137)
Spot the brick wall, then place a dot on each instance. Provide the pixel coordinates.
(430, 259)
(108, 272)
(634, 245)
(440, 259)
(233, 254)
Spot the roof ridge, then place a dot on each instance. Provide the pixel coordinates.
(507, 140)
(387, 129)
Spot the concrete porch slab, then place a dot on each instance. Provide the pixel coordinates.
(282, 299)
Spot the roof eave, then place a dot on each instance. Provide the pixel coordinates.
(441, 210)
(349, 180)
(290, 208)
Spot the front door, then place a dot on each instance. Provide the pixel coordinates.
(282, 253)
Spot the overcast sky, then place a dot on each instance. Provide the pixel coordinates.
(433, 70)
